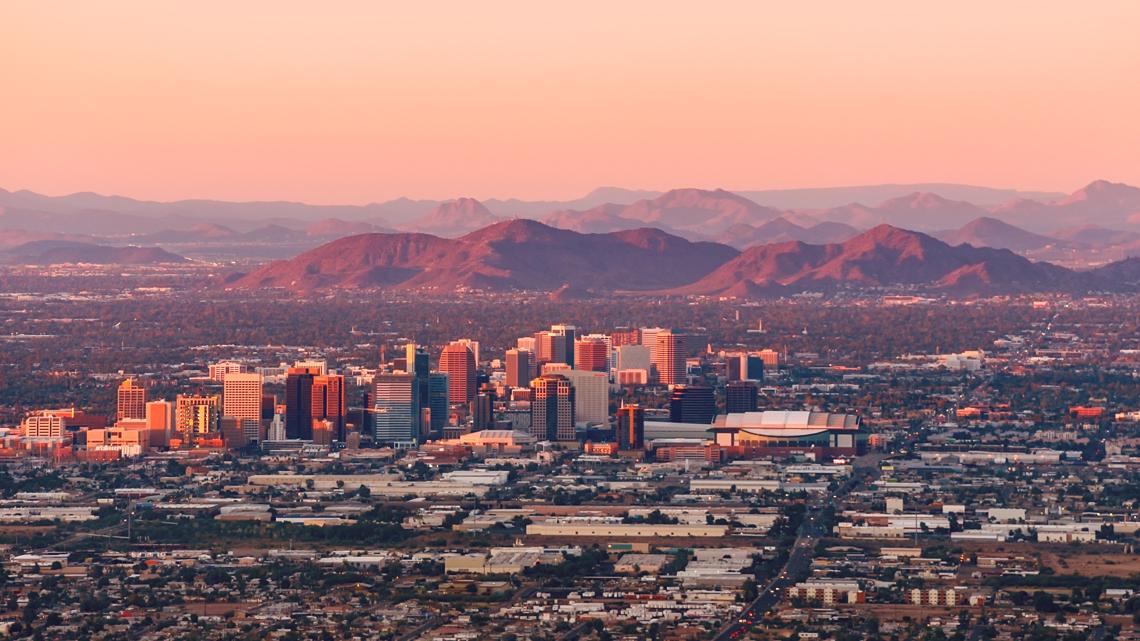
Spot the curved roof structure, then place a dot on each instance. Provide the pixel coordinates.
(789, 423)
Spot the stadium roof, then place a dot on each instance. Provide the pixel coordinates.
(788, 420)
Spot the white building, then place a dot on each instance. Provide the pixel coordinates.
(591, 395)
(633, 357)
(218, 371)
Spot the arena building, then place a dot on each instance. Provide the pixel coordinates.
(751, 434)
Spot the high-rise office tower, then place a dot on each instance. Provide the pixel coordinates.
(732, 367)
(631, 427)
(299, 403)
(544, 348)
(692, 404)
(418, 361)
(565, 336)
(268, 407)
(749, 367)
(483, 409)
(552, 408)
(526, 342)
(439, 390)
(649, 339)
(591, 395)
(329, 403)
(740, 397)
(634, 357)
(314, 367)
(419, 366)
(609, 341)
(160, 422)
(195, 416)
(592, 355)
(471, 345)
(518, 367)
(395, 410)
(458, 362)
(131, 401)
(669, 357)
(626, 337)
(241, 401)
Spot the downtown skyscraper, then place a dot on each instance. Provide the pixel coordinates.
(241, 401)
(458, 362)
(299, 403)
(131, 399)
(552, 408)
(631, 428)
(669, 356)
(395, 411)
(329, 403)
(519, 366)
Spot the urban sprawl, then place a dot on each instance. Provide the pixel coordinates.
(584, 482)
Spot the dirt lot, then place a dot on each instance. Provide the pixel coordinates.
(1088, 564)
(1088, 560)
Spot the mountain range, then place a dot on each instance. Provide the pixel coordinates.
(1095, 225)
(87, 212)
(518, 254)
(884, 256)
(527, 255)
(59, 252)
(985, 231)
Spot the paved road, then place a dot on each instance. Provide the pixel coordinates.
(418, 630)
(112, 531)
(794, 570)
(576, 631)
(799, 558)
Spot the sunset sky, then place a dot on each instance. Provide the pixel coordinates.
(352, 102)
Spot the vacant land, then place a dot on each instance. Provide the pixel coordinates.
(1115, 564)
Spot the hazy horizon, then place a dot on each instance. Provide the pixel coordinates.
(552, 199)
(359, 102)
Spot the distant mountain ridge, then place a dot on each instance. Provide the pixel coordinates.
(696, 213)
(884, 256)
(56, 252)
(453, 218)
(261, 230)
(527, 255)
(986, 231)
(510, 255)
(782, 229)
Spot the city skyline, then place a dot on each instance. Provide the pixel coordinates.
(517, 321)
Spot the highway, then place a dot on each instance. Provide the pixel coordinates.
(796, 569)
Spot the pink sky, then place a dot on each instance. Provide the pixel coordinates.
(351, 102)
